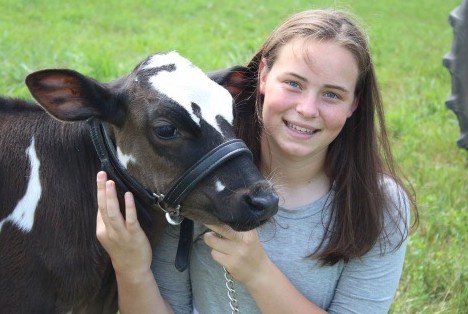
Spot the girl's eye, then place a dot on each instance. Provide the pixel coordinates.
(293, 84)
(331, 95)
(166, 131)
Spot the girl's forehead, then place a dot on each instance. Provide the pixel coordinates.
(325, 58)
(309, 49)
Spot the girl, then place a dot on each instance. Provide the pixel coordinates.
(312, 115)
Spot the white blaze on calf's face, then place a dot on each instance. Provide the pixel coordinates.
(187, 84)
(219, 186)
(124, 158)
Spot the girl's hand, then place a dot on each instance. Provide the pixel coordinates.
(241, 253)
(123, 239)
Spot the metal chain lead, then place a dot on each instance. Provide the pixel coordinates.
(232, 294)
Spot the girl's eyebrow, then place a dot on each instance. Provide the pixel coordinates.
(299, 77)
(341, 88)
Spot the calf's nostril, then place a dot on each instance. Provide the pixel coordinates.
(265, 202)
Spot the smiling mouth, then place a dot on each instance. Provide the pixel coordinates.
(299, 129)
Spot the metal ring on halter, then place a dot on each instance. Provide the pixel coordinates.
(172, 216)
(174, 220)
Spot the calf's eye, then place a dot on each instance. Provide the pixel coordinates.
(166, 131)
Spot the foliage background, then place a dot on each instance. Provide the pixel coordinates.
(106, 39)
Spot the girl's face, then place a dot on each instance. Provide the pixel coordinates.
(308, 95)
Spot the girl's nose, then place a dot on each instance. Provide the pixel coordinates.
(308, 106)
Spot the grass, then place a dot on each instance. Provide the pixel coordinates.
(106, 39)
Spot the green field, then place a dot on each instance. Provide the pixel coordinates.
(106, 39)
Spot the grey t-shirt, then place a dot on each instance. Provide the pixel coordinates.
(363, 285)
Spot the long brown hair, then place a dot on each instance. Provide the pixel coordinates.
(358, 158)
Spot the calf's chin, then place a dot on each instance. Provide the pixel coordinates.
(243, 209)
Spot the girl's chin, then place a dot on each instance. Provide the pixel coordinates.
(296, 151)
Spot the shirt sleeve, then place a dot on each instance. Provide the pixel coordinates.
(174, 286)
(368, 284)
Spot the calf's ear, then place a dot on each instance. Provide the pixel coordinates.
(241, 82)
(70, 96)
(233, 78)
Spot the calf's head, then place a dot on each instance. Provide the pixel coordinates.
(163, 117)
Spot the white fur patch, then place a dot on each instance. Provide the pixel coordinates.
(219, 186)
(188, 84)
(23, 214)
(123, 158)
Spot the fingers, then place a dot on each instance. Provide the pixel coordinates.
(101, 179)
(130, 213)
(226, 241)
(241, 253)
(214, 241)
(218, 238)
(113, 207)
(123, 239)
(218, 245)
(222, 239)
(223, 231)
(109, 218)
(100, 228)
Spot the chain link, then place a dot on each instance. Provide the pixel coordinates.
(232, 294)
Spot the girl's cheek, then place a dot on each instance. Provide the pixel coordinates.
(335, 119)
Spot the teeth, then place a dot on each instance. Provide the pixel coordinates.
(300, 129)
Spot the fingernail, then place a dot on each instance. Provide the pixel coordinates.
(128, 196)
(101, 175)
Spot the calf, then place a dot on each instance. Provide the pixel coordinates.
(160, 120)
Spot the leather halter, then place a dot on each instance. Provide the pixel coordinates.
(170, 202)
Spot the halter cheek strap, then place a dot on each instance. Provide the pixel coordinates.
(110, 163)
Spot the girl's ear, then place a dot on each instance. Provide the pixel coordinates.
(263, 71)
(353, 106)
